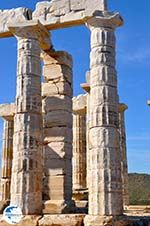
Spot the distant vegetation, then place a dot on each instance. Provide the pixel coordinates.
(139, 189)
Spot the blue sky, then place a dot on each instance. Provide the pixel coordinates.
(133, 66)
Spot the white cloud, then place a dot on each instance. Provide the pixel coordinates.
(136, 56)
(133, 47)
(139, 55)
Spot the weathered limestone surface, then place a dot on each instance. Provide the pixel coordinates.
(79, 144)
(77, 220)
(63, 13)
(123, 150)
(62, 220)
(80, 104)
(86, 88)
(26, 221)
(12, 16)
(31, 27)
(57, 114)
(27, 146)
(116, 221)
(49, 220)
(7, 155)
(7, 112)
(105, 189)
(136, 210)
(52, 14)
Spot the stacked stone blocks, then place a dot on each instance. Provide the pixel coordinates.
(57, 114)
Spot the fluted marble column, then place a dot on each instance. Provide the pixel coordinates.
(7, 153)
(27, 170)
(79, 146)
(123, 150)
(86, 88)
(105, 189)
(7, 113)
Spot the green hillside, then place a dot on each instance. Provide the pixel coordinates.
(139, 189)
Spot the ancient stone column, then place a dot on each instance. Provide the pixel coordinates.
(7, 159)
(123, 150)
(86, 88)
(105, 189)
(7, 113)
(27, 170)
(57, 113)
(79, 147)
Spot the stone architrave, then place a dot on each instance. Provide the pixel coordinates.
(27, 169)
(65, 13)
(57, 114)
(52, 14)
(123, 150)
(105, 188)
(7, 113)
(79, 147)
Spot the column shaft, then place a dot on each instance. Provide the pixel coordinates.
(7, 154)
(26, 187)
(86, 88)
(123, 149)
(105, 188)
(79, 151)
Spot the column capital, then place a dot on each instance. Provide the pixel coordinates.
(7, 111)
(105, 19)
(32, 29)
(80, 104)
(122, 107)
(86, 86)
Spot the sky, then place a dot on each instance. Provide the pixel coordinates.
(133, 67)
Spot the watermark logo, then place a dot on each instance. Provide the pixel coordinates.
(12, 214)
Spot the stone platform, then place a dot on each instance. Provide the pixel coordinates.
(117, 221)
(49, 220)
(137, 210)
(78, 220)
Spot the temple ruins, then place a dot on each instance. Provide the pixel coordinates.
(64, 158)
